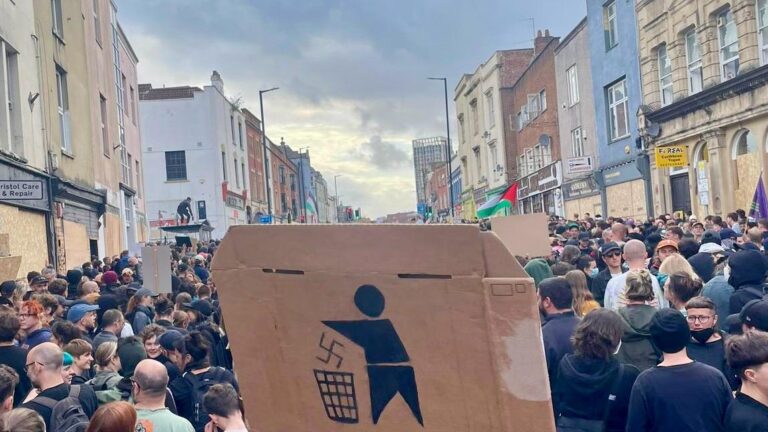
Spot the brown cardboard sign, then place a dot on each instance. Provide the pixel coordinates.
(382, 328)
(524, 235)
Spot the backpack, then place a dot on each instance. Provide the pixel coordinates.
(106, 393)
(200, 385)
(67, 415)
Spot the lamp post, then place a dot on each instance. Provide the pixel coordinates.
(268, 188)
(448, 150)
(336, 195)
(302, 195)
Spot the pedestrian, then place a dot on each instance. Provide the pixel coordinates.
(555, 301)
(9, 381)
(150, 337)
(679, 394)
(680, 288)
(139, 312)
(748, 355)
(223, 405)
(637, 347)
(82, 354)
(150, 384)
(31, 321)
(115, 417)
(747, 277)
(64, 332)
(583, 302)
(593, 388)
(107, 377)
(83, 316)
(112, 323)
(23, 420)
(635, 256)
(536, 268)
(610, 255)
(707, 344)
(12, 355)
(44, 367)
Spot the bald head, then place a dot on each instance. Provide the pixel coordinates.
(48, 354)
(87, 288)
(634, 251)
(619, 231)
(152, 377)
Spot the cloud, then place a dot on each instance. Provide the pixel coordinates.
(383, 154)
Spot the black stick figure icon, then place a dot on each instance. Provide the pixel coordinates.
(389, 370)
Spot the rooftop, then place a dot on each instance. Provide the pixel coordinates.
(146, 92)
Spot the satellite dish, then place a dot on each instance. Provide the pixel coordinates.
(545, 140)
(654, 130)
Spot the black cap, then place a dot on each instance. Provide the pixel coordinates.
(610, 246)
(202, 306)
(584, 236)
(7, 288)
(39, 280)
(755, 314)
(711, 237)
(669, 330)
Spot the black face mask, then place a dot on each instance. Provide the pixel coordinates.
(702, 336)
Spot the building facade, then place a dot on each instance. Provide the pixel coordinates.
(436, 190)
(285, 185)
(704, 89)
(612, 30)
(194, 146)
(576, 123)
(426, 152)
(256, 177)
(535, 134)
(308, 203)
(456, 186)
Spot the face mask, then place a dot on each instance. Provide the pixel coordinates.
(702, 336)
(618, 347)
(727, 272)
(594, 272)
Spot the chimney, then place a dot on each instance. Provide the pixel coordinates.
(217, 82)
(541, 41)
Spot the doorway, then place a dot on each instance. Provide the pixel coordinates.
(681, 193)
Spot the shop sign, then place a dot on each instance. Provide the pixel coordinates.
(621, 174)
(234, 200)
(671, 156)
(580, 188)
(21, 190)
(548, 178)
(578, 165)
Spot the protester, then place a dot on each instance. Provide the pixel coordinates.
(555, 300)
(13, 356)
(150, 385)
(23, 420)
(64, 332)
(9, 382)
(637, 346)
(707, 344)
(115, 417)
(754, 316)
(82, 354)
(635, 255)
(610, 255)
(680, 288)
(111, 325)
(83, 316)
(747, 275)
(747, 355)
(583, 303)
(537, 268)
(139, 312)
(150, 336)
(593, 388)
(222, 404)
(107, 377)
(30, 319)
(679, 394)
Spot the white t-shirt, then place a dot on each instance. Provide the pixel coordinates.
(615, 297)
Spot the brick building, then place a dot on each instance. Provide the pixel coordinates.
(285, 184)
(436, 191)
(255, 149)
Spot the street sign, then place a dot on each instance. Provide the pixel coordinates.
(671, 156)
(579, 165)
(265, 219)
(21, 190)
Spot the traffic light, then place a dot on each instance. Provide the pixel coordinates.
(357, 214)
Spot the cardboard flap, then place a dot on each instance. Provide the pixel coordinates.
(392, 249)
(524, 235)
(499, 262)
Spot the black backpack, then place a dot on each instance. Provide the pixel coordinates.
(67, 415)
(200, 385)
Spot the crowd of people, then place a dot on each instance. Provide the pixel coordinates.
(96, 350)
(656, 325)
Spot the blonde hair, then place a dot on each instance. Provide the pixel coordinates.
(578, 282)
(639, 286)
(105, 353)
(23, 420)
(676, 263)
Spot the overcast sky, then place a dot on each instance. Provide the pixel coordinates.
(352, 73)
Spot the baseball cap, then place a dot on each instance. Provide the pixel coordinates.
(202, 306)
(572, 225)
(127, 271)
(39, 280)
(755, 314)
(146, 292)
(727, 233)
(78, 311)
(697, 224)
(610, 246)
(199, 257)
(584, 236)
(169, 338)
(669, 330)
(711, 237)
(667, 243)
(7, 288)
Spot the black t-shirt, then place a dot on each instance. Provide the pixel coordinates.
(59, 392)
(16, 357)
(746, 415)
(662, 396)
(713, 354)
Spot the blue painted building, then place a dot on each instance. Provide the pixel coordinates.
(612, 28)
(456, 185)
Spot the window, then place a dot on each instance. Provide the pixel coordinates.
(282, 202)
(125, 93)
(129, 170)
(519, 121)
(104, 131)
(525, 115)
(533, 106)
(133, 105)
(494, 158)
(282, 174)
(618, 110)
(138, 180)
(125, 165)
(62, 105)
(577, 143)
(665, 75)
(543, 100)
(475, 120)
(175, 165)
(491, 110)
(96, 22)
(609, 25)
(693, 57)
(232, 126)
(762, 30)
(530, 160)
(462, 130)
(10, 120)
(572, 75)
(58, 21)
(224, 165)
(240, 133)
(729, 45)
(538, 157)
(237, 175)
(478, 164)
(293, 182)
(521, 168)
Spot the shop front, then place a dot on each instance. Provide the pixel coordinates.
(624, 191)
(540, 192)
(76, 223)
(581, 196)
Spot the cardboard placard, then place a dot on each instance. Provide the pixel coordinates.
(382, 328)
(156, 268)
(524, 235)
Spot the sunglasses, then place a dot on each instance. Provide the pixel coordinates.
(612, 255)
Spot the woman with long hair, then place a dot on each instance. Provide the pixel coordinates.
(592, 390)
(637, 348)
(139, 312)
(676, 263)
(113, 417)
(680, 288)
(583, 302)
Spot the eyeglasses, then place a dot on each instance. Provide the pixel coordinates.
(26, 366)
(702, 318)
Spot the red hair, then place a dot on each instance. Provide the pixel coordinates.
(33, 307)
(117, 416)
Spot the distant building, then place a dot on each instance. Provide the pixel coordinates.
(426, 151)
(256, 176)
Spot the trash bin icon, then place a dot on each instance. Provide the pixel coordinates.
(337, 390)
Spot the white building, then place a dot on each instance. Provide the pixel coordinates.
(194, 146)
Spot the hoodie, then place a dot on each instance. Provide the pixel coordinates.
(539, 270)
(637, 349)
(73, 280)
(704, 266)
(583, 386)
(748, 269)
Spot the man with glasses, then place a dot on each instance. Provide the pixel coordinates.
(707, 344)
(610, 253)
(43, 367)
(30, 318)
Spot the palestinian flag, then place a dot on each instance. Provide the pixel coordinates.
(499, 203)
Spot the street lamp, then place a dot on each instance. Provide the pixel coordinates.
(336, 195)
(302, 197)
(268, 188)
(448, 135)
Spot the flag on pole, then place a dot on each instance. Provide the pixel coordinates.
(759, 208)
(495, 205)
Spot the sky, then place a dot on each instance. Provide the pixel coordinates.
(352, 73)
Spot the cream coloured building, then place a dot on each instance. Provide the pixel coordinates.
(705, 89)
